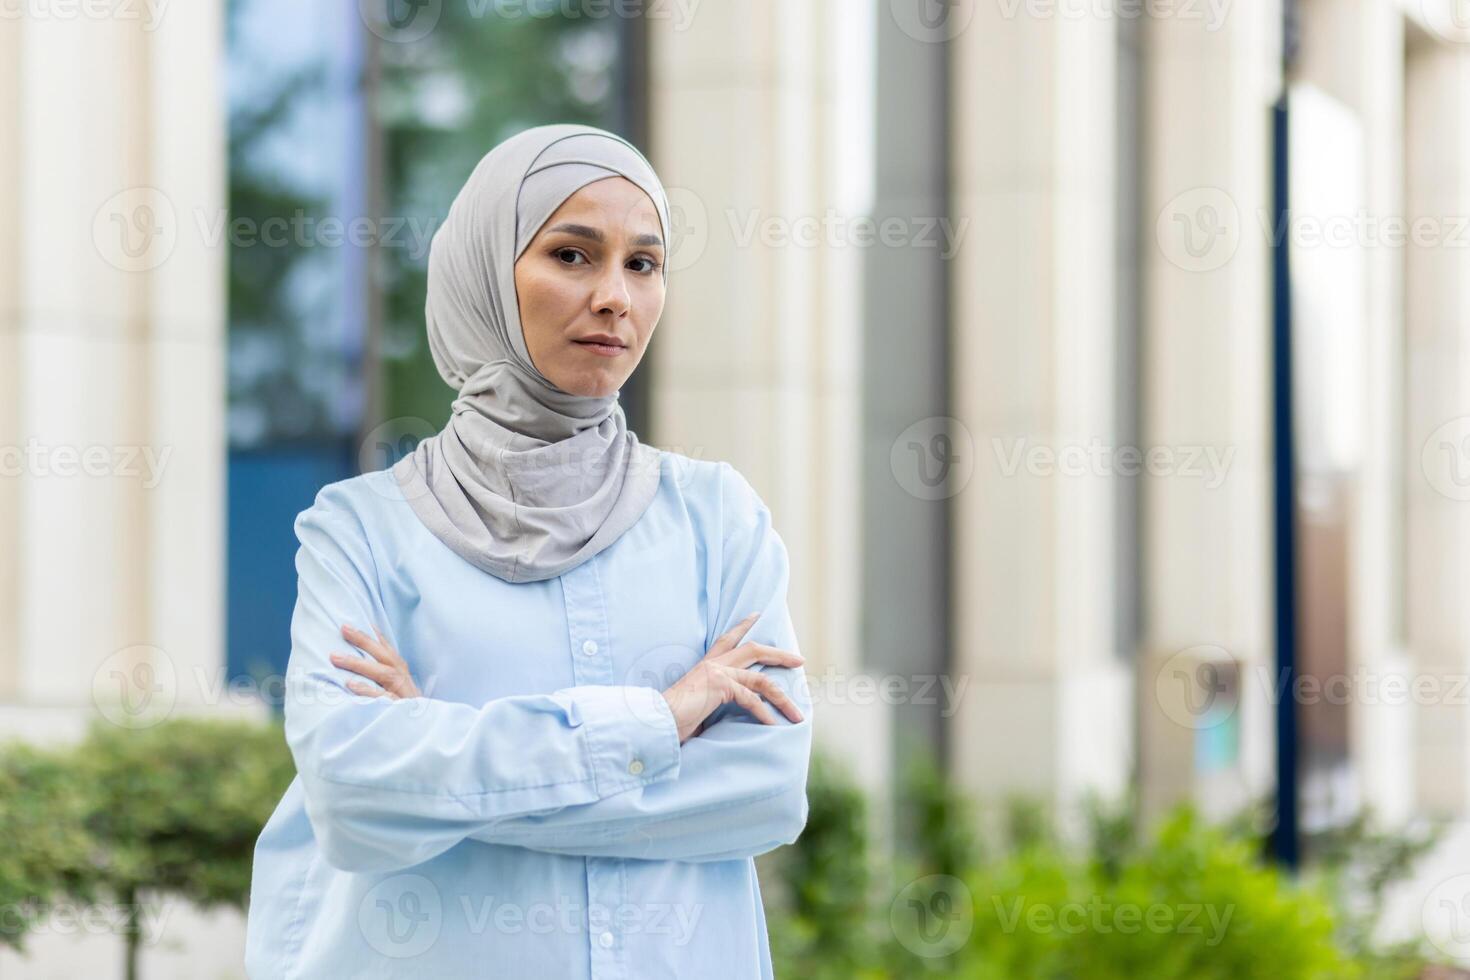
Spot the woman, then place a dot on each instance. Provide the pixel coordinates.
(613, 718)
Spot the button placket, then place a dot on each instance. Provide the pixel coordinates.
(587, 625)
(592, 664)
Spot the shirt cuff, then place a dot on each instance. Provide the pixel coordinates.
(631, 736)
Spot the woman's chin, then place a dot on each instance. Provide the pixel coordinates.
(599, 384)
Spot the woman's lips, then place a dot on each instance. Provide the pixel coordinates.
(606, 350)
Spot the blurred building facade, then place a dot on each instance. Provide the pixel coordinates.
(979, 296)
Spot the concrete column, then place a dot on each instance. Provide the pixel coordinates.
(1033, 380)
(114, 311)
(757, 358)
(1437, 314)
(905, 529)
(1354, 51)
(1207, 361)
(10, 243)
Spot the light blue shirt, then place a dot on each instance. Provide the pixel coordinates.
(533, 815)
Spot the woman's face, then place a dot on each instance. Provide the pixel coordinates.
(593, 270)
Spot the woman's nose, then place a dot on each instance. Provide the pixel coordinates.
(611, 295)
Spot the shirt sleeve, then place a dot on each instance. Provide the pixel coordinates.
(392, 783)
(741, 786)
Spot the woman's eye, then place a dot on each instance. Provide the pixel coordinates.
(649, 265)
(561, 253)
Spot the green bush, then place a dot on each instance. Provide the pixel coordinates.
(175, 810)
(1188, 900)
(170, 810)
(47, 853)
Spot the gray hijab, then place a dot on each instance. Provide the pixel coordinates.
(525, 481)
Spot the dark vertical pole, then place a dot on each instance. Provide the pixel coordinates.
(1285, 837)
(630, 119)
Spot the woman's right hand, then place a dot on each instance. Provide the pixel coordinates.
(723, 676)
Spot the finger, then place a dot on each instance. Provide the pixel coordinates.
(362, 641)
(772, 691)
(732, 636)
(751, 702)
(378, 651)
(389, 649)
(777, 695)
(358, 687)
(370, 669)
(747, 654)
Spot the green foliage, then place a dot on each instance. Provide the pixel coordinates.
(943, 820)
(46, 852)
(177, 807)
(1356, 863)
(819, 916)
(172, 809)
(1191, 902)
(1186, 900)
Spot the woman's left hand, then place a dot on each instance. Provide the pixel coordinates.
(386, 668)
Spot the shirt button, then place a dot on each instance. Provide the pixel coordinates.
(636, 766)
(589, 648)
(606, 939)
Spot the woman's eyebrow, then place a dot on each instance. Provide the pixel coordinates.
(596, 235)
